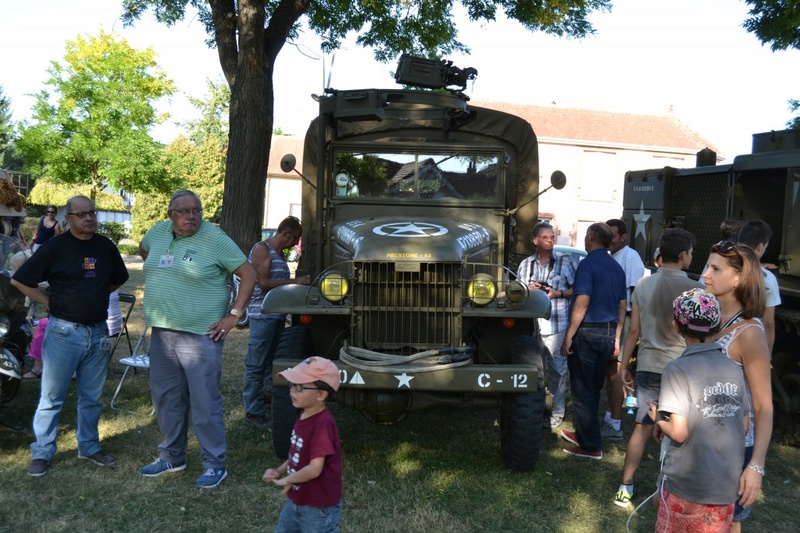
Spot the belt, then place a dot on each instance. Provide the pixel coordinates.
(598, 325)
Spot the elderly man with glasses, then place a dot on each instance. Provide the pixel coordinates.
(187, 261)
(82, 269)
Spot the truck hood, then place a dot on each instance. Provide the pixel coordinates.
(411, 239)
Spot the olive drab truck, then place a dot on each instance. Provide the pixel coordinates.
(762, 185)
(417, 209)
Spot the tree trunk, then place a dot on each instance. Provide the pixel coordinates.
(251, 118)
(247, 54)
(248, 69)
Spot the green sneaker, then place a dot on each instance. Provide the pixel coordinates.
(623, 498)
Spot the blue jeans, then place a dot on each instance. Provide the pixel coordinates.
(261, 347)
(185, 370)
(742, 513)
(69, 348)
(306, 519)
(591, 350)
(556, 372)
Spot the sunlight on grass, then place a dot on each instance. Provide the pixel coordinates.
(438, 471)
(404, 461)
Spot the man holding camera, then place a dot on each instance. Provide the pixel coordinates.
(554, 274)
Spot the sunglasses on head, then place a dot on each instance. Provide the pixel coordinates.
(726, 247)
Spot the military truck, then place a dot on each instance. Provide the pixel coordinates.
(762, 185)
(417, 208)
(13, 190)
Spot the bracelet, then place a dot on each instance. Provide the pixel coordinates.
(758, 469)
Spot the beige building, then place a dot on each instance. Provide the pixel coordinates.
(284, 190)
(593, 148)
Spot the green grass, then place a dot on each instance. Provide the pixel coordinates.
(437, 471)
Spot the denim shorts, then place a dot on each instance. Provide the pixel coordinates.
(741, 513)
(300, 518)
(648, 387)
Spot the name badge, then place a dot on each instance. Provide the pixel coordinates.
(166, 261)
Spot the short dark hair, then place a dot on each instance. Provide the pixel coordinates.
(539, 227)
(754, 233)
(622, 229)
(601, 233)
(674, 241)
(289, 223)
(729, 229)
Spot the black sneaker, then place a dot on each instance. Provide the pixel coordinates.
(259, 421)
(38, 467)
(100, 458)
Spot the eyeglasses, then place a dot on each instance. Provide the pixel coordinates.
(300, 387)
(725, 247)
(50, 212)
(187, 212)
(84, 214)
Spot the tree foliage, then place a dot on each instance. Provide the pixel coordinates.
(249, 34)
(196, 162)
(9, 156)
(794, 106)
(50, 193)
(92, 126)
(6, 125)
(777, 23)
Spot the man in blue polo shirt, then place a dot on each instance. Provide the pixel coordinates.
(596, 317)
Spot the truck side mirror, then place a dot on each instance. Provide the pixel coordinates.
(289, 161)
(557, 179)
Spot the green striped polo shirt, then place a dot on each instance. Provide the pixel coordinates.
(193, 292)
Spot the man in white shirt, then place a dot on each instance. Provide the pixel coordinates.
(633, 266)
(756, 234)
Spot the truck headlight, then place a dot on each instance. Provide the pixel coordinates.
(482, 289)
(5, 325)
(515, 291)
(334, 287)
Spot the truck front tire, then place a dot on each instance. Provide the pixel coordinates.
(521, 417)
(295, 343)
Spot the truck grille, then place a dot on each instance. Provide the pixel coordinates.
(406, 311)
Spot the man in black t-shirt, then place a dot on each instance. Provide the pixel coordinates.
(82, 269)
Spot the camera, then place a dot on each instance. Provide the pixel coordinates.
(544, 286)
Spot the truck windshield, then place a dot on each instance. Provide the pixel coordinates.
(417, 176)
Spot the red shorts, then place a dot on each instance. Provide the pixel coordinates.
(676, 514)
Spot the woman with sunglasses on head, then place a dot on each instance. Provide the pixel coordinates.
(47, 229)
(734, 276)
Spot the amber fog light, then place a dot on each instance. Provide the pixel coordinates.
(482, 289)
(334, 287)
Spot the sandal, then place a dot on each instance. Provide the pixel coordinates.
(32, 375)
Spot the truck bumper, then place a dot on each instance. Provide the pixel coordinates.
(469, 378)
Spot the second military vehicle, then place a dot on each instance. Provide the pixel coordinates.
(763, 185)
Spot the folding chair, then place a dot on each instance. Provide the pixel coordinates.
(138, 359)
(130, 300)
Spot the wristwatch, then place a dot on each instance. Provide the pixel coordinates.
(235, 312)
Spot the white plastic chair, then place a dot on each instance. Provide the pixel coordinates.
(128, 299)
(139, 360)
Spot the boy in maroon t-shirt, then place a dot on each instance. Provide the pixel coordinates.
(312, 476)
